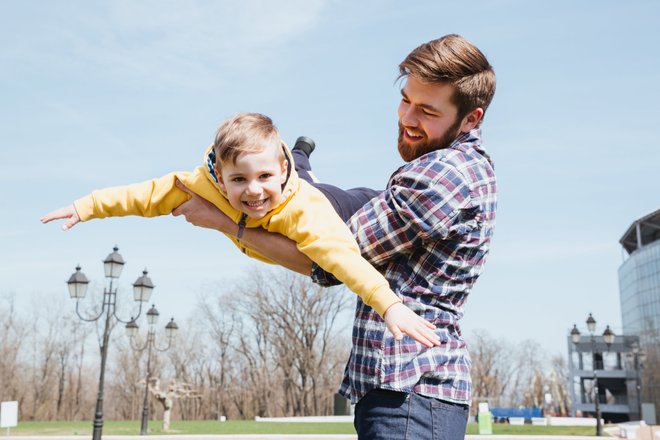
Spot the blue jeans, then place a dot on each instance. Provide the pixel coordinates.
(391, 415)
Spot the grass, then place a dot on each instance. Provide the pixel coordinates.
(182, 427)
(252, 427)
(506, 429)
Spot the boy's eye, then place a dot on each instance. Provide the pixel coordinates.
(265, 176)
(237, 179)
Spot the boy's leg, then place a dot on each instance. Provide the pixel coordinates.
(345, 202)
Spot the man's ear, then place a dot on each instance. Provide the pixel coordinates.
(472, 119)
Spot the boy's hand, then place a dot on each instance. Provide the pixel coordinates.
(68, 212)
(400, 319)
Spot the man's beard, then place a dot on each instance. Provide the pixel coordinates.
(410, 151)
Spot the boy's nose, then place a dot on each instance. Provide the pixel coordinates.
(254, 188)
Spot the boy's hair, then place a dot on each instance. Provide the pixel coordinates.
(245, 133)
(453, 60)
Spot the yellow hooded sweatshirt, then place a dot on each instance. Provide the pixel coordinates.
(304, 215)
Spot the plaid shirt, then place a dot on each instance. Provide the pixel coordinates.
(429, 234)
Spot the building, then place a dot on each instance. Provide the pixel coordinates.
(612, 367)
(639, 290)
(639, 278)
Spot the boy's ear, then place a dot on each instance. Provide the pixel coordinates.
(285, 167)
(218, 175)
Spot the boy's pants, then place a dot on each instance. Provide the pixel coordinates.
(346, 202)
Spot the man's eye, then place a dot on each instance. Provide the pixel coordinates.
(428, 113)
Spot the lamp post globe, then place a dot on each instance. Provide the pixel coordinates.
(78, 284)
(142, 287)
(113, 264)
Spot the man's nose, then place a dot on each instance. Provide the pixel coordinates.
(409, 117)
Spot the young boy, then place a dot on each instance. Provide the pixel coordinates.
(249, 174)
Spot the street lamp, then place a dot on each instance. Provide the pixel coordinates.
(132, 330)
(78, 283)
(639, 356)
(608, 338)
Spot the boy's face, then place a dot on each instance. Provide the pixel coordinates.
(428, 119)
(254, 183)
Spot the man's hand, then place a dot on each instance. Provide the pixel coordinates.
(200, 212)
(68, 212)
(400, 319)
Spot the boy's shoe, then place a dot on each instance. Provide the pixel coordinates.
(305, 144)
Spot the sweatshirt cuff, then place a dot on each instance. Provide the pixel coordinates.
(84, 207)
(382, 299)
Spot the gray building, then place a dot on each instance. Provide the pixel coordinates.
(612, 367)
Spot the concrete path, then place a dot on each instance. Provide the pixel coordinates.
(283, 437)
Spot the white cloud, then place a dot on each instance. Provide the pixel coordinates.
(185, 43)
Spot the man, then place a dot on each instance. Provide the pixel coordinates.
(429, 233)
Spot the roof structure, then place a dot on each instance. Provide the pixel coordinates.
(642, 232)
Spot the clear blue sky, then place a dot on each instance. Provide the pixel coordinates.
(96, 94)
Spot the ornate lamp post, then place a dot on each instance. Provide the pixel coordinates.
(639, 356)
(150, 343)
(608, 338)
(142, 288)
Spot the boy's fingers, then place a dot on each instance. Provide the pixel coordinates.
(54, 215)
(396, 332)
(69, 224)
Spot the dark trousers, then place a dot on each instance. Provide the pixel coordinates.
(346, 202)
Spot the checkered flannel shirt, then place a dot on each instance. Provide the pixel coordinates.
(429, 234)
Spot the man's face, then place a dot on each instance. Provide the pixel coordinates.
(427, 118)
(254, 183)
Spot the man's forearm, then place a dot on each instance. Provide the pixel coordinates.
(278, 248)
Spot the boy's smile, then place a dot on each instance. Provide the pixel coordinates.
(254, 182)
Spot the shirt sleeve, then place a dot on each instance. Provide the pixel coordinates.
(421, 203)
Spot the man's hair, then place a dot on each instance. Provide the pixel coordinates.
(245, 133)
(453, 60)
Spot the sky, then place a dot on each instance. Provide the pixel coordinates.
(97, 94)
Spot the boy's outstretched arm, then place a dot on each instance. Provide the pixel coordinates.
(67, 212)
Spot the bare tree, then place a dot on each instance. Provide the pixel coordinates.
(13, 331)
(299, 320)
(492, 368)
(166, 396)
